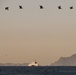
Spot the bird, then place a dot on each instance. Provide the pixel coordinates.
(41, 7)
(71, 7)
(59, 7)
(20, 7)
(6, 8)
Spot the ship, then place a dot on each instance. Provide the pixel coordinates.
(33, 64)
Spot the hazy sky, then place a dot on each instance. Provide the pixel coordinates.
(31, 33)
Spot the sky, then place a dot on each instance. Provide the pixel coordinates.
(31, 33)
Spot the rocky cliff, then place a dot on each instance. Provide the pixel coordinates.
(66, 61)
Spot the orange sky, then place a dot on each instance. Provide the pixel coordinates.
(31, 33)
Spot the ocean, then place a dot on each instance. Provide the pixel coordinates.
(40, 70)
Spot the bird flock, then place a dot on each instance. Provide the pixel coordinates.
(59, 7)
(40, 6)
(20, 7)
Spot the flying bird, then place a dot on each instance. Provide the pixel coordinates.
(71, 7)
(6, 8)
(20, 7)
(41, 7)
(59, 7)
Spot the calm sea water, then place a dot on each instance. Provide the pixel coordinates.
(45, 70)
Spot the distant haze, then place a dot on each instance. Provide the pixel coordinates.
(31, 33)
